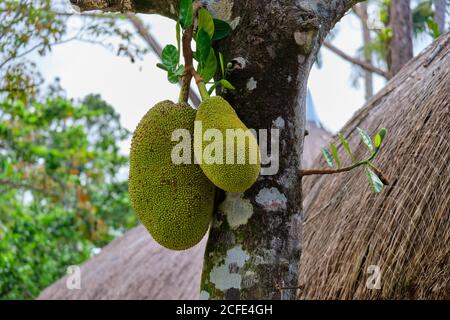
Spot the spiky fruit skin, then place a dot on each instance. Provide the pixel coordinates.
(174, 202)
(217, 113)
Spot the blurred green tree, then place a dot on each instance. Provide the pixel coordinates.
(63, 189)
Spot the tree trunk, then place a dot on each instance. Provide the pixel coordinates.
(361, 11)
(439, 14)
(400, 47)
(253, 248)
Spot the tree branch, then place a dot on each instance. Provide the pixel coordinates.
(189, 64)
(168, 8)
(362, 64)
(308, 172)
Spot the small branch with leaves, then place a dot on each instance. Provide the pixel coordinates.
(376, 177)
(196, 23)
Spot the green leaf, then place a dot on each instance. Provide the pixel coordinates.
(328, 157)
(163, 66)
(226, 84)
(214, 86)
(335, 155)
(169, 56)
(174, 76)
(203, 46)
(221, 30)
(380, 137)
(222, 66)
(434, 28)
(186, 13)
(205, 22)
(346, 146)
(366, 139)
(180, 70)
(374, 181)
(209, 69)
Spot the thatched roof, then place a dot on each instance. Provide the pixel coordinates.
(405, 230)
(134, 266)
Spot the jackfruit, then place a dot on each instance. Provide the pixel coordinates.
(173, 201)
(229, 158)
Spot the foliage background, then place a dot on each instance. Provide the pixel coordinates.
(63, 190)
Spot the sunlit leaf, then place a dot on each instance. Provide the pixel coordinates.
(328, 157)
(226, 84)
(374, 181)
(205, 22)
(346, 145)
(335, 155)
(434, 28)
(366, 139)
(380, 137)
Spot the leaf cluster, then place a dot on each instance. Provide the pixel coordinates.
(207, 30)
(333, 159)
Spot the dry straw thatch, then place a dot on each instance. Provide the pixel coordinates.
(404, 230)
(134, 266)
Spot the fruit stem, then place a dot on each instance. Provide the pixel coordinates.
(203, 91)
(188, 60)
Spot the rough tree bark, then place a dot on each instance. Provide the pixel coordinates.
(254, 248)
(400, 47)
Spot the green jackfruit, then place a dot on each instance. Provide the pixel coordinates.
(174, 202)
(234, 168)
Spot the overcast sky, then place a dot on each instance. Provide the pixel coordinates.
(133, 88)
